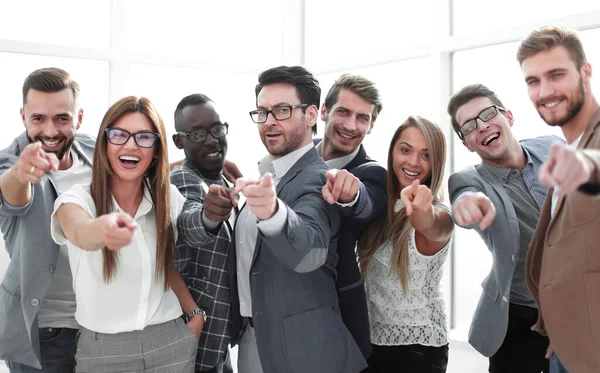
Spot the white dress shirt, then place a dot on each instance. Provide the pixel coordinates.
(134, 298)
(554, 201)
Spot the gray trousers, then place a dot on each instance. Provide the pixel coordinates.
(163, 348)
(248, 360)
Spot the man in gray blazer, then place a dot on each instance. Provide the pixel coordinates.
(501, 199)
(286, 237)
(37, 303)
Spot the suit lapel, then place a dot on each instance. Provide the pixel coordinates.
(585, 139)
(360, 158)
(308, 158)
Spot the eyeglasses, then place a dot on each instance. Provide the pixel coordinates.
(278, 113)
(484, 115)
(143, 139)
(217, 131)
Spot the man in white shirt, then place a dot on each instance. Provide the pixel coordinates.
(37, 302)
(286, 238)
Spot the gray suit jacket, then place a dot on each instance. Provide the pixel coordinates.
(490, 321)
(33, 255)
(294, 299)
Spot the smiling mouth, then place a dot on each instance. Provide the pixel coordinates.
(214, 154)
(129, 160)
(488, 140)
(349, 137)
(411, 173)
(550, 105)
(51, 143)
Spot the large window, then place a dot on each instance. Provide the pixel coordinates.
(233, 94)
(91, 75)
(418, 55)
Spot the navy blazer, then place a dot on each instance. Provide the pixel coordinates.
(349, 284)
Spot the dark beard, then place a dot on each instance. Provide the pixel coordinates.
(574, 108)
(60, 154)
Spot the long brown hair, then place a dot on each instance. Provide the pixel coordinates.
(157, 181)
(395, 227)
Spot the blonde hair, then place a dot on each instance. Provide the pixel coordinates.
(395, 227)
(157, 181)
(548, 37)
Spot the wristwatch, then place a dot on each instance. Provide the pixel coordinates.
(196, 311)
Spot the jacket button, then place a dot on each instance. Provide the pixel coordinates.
(35, 302)
(52, 268)
(505, 299)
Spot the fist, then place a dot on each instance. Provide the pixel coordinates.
(566, 169)
(416, 198)
(260, 195)
(33, 164)
(118, 230)
(474, 208)
(341, 186)
(219, 202)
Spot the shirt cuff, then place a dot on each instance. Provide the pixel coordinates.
(349, 204)
(209, 225)
(274, 225)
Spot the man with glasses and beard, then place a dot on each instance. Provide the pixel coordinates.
(563, 264)
(205, 255)
(501, 199)
(37, 302)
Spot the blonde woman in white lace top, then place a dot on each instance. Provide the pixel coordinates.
(402, 256)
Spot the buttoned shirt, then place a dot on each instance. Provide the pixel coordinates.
(135, 297)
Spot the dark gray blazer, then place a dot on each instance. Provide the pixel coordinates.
(295, 306)
(490, 321)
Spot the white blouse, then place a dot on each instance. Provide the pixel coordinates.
(134, 298)
(414, 317)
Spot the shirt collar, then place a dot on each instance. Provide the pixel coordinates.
(339, 162)
(502, 173)
(282, 165)
(145, 206)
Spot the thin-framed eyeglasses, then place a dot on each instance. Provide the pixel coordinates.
(217, 131)
(484, 115)
(143, 139)
(278, 112)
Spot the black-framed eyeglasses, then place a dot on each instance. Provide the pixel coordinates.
(484, 115)
(278, 112)
(143, 139)
(217, 131)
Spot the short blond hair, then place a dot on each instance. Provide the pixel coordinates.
(548, 37)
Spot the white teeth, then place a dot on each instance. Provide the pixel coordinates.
(551, 104)
(489, 138)
(345, 136)
(410, 173)
(129, 158)
(51, 143)
(213, 154)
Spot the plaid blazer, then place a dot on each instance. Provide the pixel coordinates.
(206, 261)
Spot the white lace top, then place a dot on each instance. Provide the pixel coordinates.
(415, 317)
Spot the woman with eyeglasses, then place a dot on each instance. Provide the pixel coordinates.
(402, 256)
(120, 232)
